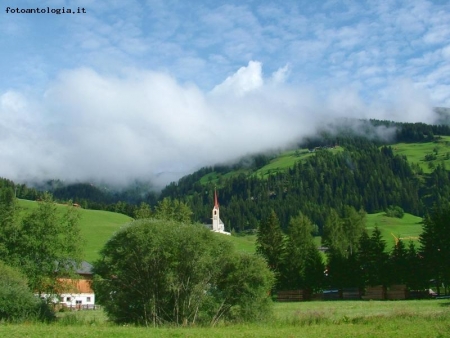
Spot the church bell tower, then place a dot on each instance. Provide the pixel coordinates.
(215, 214)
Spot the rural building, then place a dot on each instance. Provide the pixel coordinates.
(78, 293)
(217, 224)
(75, 293)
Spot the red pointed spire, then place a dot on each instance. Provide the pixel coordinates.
(216, 204)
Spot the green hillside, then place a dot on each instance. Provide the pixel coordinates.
(243, 243)
(288, 159)
(407, 228)
(97, 227)
(278, 163)
(415, 153)
(437, 151)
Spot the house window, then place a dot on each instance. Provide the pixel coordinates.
(78, 302)
(88, 299)
(68, 299)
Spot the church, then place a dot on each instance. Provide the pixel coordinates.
(217, 224)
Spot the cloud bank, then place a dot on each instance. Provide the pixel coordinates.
(87, 126)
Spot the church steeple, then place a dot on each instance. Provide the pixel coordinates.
(216, 204)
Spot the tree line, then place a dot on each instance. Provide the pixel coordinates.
(355, 257)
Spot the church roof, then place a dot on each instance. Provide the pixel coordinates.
(216, 204)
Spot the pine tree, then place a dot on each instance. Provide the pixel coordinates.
(270, 241)
(434, 245)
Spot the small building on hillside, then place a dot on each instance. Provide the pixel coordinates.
(75, 293)
(217, 224)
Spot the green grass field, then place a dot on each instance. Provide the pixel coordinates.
(282, 162)
(416, 152)
(97, 227)
(243, 243)
(407, 228)
(287, 160)
(424, 318)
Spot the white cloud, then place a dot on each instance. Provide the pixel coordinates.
(244, 80)
(149, 81)
(280, 75)
(90, 126)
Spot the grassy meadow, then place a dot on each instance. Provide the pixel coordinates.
(242, 243)
(287, 160)
(407, 228)
(412, 318)
(416, 152)
(97, 226)
(282, 162)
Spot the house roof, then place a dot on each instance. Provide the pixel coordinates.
(85, 269)
(67, 285)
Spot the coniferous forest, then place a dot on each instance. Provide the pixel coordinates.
(366, 175)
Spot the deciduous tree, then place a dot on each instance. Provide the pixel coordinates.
(155, 272)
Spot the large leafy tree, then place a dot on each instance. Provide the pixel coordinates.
(302, 265)
(46, 244)
(157, 271)
(17, 301)
(9, 221)
(173, 210)
(342, 235)
(334, 237)
(143, 211)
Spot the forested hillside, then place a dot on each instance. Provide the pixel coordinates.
(366, 173)
(367, 165)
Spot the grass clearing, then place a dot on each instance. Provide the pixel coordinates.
(97, 226)
(245, 243)
(416, 152)
(287, 160)
(407, 228)
(424, 318)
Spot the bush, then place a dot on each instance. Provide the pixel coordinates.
(155, 272)
(17, 302)
(395, 211)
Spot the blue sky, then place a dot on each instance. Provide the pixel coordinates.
(143, 87)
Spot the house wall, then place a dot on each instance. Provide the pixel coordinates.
(77, 299)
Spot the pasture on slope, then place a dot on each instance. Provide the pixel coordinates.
(280, 163)
(97, 226)
(407, 228)
(416, 152)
